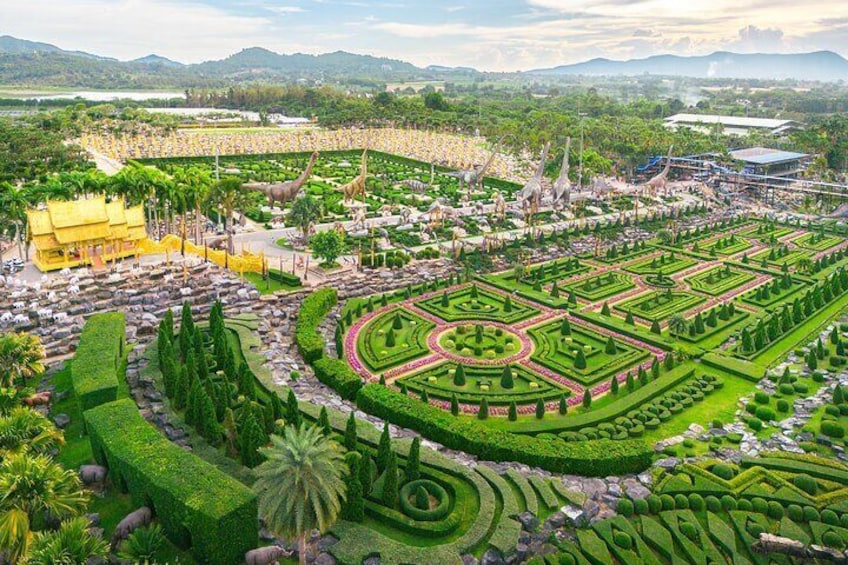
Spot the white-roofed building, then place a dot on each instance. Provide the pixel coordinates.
(731, 125)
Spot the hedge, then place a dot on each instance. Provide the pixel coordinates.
(596, 458)
(195, 502)
(285, 278)
(508, 529)
(338, 375)
(744, 369)
(98, 361)
(433, 489)
(314, 307)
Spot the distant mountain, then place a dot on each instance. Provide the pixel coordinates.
(820, 65)
(153, 59)
(13, 45)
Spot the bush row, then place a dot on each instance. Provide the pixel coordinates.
(99, 359)
(195, 502)
(309, 341)
(338, 375)
(599, 458)
(285, 278)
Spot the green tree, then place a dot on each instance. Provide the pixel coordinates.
(301, 484)
(324, 422)
(413, 461)
(305, 213)
(677, 325)
(143, 545)
(293, 415)
(587, 398)
(459, 376)
(483, 411)
(384, 448)
(507, 381)
(354, 507)
(513, 412)
(390, 482)
(327, 245)
(540, 408)
(350, 433)
(21, 356)
(580, 359)
(563, 405)
(228, 195)
(72, 543)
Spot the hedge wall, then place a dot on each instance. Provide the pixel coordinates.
(312, 311)
(98, 361)
(738, 367)
(338, 375)
(196, 503)
(595, 458)
(285, 278)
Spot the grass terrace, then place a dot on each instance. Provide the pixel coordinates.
(474, 303)
(659, 305)
(817, 241)
(779, 256)
(395, 337)
(602, 286)
(667, 263)
(719, 280)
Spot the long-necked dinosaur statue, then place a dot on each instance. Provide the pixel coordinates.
(561, 189)
(658, 183)
(475, 175)
(356, 187)
(282, 192)
(531, 195)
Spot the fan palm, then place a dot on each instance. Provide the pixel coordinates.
(301, 485)
(30, 486)
(20, 358)
(677, 324)
(25, 430)
(73, 543)
(227, 193)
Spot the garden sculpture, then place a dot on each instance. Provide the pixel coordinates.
(415, 185)
(531, 195)
(284, 192)
(770, 543)
(562, 187)
(474, 176)
(356, 187)
(266, 555)
(131, 522)
(500, 206)
(658, 183)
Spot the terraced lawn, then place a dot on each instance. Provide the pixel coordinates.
(719, 280)
(659, 305)
(473, 303)
(395, 337)
(667, 263)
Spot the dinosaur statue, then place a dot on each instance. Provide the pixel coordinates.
(531, 195)
(658, 183)
(475, 175)
(356, 187)
(562, 187)
(419, 186)
(287, 191)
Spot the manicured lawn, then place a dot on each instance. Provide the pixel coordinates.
(268, 286)
(393, 338)
(817, 242)
(667, 263)
(473, 303)
(602, 286)
(719, 280)
(480, 341)
(659, 305)
(776, 294)
(729, 245)
(775, 258)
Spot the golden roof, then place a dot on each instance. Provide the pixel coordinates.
(82, 222)
(78, 212)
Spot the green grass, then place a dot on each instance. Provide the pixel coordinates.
(492, 343)
(410, 339)
(817, 242)
(268, 286)
(659, 305)
(487, 306)
(602, 286)
(719, 280)
(668, 264)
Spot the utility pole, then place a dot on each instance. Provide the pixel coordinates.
(580, 168)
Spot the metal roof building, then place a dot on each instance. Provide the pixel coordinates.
(731, 125)
(770, 162)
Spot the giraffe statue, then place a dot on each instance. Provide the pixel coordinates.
(356, 187)
(531, 195)
(562, 187)
(658, 183)
(283, 192)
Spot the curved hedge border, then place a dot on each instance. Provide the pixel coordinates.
(433, 489)
(309, 341)
(596, 458)
(195, 501)
(98, 361)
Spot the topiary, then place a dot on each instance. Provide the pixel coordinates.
(640, 506)
(723, 471)
(744, 505)
(713, 503)
(775, 510)
(829, 517)
(832, 429)
(832, 539)
(782, 406)
(625, 507)
(728, 502)
(761, 397)
(696, 502)
(765, 414)
(806, 483)
(795, 513)
(622, 540)
(654, 503)
(811, 514)
(755, 424)
(759, 505)
(667, 501)
(689, 530)
(681, 502)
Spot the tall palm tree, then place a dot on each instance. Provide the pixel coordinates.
(25, 430)
(13, 205)
(195, 184)
(30, 486)
(804, 264)
(20, 358)
(301, 484)
(677, 324)
(72, 543)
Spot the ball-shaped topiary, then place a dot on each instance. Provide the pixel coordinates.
(689, 530)
(759, 505)
(832, 539)
(696, 502)
(625, 507)
(744, 505)
(728, 502)
(811, 514)
(806, 483)
(795, 513)
(640, 506)
(713, 503)
(829, 517)
(667, 501)
(654, 503)
(775, 510)
(681, 502)
(622, 540)
(723, 471)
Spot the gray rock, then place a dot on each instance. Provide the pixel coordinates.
(468, 559)
(556, 520)
(325, 559)
(372, 561)
(492, 557)
(635, 489)
(61, 420)
(528, 521)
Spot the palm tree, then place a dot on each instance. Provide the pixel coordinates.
(25, 430)
(13, 205)
(20, 358)
(194, 183)
(30, 486)
(677, 325)
(804, 264)
(227, 194)
(73, 543)
(301, 484)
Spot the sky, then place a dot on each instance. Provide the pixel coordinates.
(490, 35)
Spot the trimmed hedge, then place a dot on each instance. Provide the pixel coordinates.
(596, 458)
(195, 502)
(433, 489)
(314, 307)
(285, 278)
(338, 375)
(737, 367)
(98, 361)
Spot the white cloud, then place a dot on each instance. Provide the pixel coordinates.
(285, 9)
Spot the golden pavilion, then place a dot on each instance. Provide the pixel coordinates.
(84, 232)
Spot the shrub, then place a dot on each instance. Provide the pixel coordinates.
(338, 375)
(761, 397)
(755, 424)
(829, 517)
(667, 501)
(625, 507)
(765, 414)
(759, 505)
(623, 540)
(681, 502)
(696, 502)
(744, 505)
(775, 510)
(795, 513)
(786, 388)
(806, 483)
(407, 500)
(98, 361)
(689, 530)
(654, 503)
(832, 539)
(728, 502)
(713, 503)
(640, 506)
(312, 311)
(832, 429)
(782, 406)
(723, 471)
(811, 514)
(192, 499)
